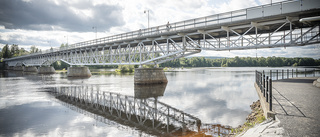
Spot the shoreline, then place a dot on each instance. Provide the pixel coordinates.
(254, 118)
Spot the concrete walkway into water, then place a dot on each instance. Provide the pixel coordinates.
(296, 103)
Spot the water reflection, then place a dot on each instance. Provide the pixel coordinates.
(220, 96)
(149, 91)
(145, 114)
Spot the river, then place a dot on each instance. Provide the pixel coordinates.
(214, 95)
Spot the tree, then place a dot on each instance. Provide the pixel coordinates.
(14, 50)
(34, 49)
(6, 51)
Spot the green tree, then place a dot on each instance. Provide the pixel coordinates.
(6, 53)
(34, 49)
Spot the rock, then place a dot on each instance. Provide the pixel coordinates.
(318, 85)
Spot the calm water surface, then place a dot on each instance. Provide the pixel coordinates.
(214, 95)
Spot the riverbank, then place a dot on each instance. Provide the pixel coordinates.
(255, 117)
(257, 125)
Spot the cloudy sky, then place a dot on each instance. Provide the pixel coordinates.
(49, 23)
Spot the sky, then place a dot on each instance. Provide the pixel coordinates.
(49, 23)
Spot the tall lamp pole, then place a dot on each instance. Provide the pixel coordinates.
(96, 30)
(67, 39)
(148, 16)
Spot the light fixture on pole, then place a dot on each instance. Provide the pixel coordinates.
(96, 30)
(147, 11)
(67, 39)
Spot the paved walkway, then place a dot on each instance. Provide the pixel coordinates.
(297, 106)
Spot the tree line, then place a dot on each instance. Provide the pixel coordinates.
(14, 51)
(241, 62)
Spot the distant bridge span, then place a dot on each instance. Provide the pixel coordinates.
(283, 24)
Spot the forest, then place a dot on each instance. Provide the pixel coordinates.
(14, 50)
(241, 62)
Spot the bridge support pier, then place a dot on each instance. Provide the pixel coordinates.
(78, 72)
(30, 69)
(149, 76)
(18, 68)
(46, 70)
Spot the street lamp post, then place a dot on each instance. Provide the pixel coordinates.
(96, 30)
(148, 16)
(67, 39)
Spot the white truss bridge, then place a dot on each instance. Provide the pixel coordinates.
(282, 24)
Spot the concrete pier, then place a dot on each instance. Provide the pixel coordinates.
(78, 72)
(30, 69)
(18, 68)
(46, 70)
(149, 76)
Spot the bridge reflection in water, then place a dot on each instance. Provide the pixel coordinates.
(143, 114)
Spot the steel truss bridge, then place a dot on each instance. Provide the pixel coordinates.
(282, 24)
(148, 115)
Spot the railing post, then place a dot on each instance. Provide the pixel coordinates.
(282, 74)
(267, 89)
(305, 72)
(270, 94)
(264, 85)
(277, 74)
(270, 74)
(314, 72)
(256, 77)
(296, 72)
(292, 73)
(287, 73)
